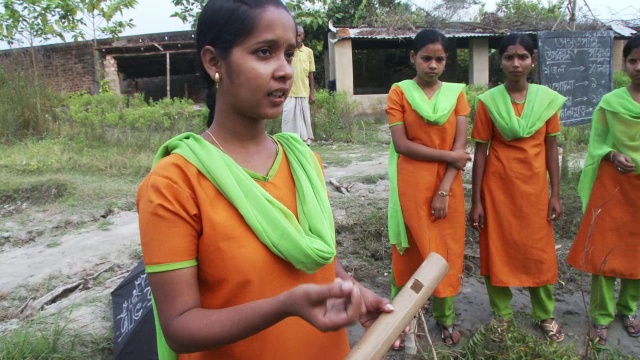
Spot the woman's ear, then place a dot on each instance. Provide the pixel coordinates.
(412, 57)
(211, 61)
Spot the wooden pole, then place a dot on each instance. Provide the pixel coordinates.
(385, 330)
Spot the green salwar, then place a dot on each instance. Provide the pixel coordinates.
(542, 301)
(603, 304)
(442, 309)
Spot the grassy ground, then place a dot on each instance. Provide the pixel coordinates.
(52, 186)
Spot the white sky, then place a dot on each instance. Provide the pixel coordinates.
(152, 16)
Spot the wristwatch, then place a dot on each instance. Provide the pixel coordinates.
(443, 193)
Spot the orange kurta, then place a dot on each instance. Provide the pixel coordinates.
(418, 182)
(517, 246)
(184, 217)
(608, 240)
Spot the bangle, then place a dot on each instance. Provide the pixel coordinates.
(610, 156)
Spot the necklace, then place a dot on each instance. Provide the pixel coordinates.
(221, 148)
(216, 141)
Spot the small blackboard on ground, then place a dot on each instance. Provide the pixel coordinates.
(578, 65)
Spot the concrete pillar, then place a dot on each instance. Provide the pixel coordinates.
(479, 61)
(618, 60)
(111, 74)
(344, 66)
(331, 74)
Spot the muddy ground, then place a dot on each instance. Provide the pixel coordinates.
(101, 254)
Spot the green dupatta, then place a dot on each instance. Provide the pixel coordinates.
(434, 111)
(307, 244)
(540, 104)
(615, 126)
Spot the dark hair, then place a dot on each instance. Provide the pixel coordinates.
(222, 25)
(523, 40)
(631, 44)
(428, 37)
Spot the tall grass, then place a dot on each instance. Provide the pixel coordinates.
(127, 121)
(19, 115)
(53, 338)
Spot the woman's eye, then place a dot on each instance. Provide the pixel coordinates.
(264, 52)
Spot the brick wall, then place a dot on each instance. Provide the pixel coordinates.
(64, 67)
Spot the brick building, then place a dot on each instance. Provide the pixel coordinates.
(157, 65)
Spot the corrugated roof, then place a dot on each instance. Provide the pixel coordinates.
(393, 34)
(622, 30)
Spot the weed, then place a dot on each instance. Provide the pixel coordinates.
(136, 253)
(333, 116)
(104, 224)
(53, 244)
(52, 338)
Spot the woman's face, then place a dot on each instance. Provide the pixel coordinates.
(429, 62)
(632, 65)
(516, 62)
(256, 77)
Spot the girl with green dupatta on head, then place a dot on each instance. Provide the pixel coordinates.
(513, 206)
(236, 228)
(428, 121)
(608, 241)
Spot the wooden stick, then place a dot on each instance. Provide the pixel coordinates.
(385, 330)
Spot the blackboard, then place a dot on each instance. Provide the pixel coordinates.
(578, 65)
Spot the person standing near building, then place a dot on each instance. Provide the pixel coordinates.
(296, 115)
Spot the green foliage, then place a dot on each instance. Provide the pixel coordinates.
(19, 105)
(620, 79)
(189, 10)
(36, 21)
(514, 343)
(52, 338)
(471, 92)
(101, 16)
(333, 116)
(104, 87)
(530, 13)
(131, 120)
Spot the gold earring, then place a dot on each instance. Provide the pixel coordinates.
(216, 79)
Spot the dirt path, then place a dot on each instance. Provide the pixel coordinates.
(79, 254)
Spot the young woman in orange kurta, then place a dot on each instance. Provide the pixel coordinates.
(240, 267)
(431, 156)
(607, 244)
(510, 205)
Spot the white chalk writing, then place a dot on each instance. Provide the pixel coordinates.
(133, 308)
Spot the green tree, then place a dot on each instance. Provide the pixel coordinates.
(100, 19)
(188, 10)
(530, 13)
(36, 21)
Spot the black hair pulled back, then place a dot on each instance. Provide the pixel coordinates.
(223, 24)
(631, 45)
(428, 37)
(521, 39)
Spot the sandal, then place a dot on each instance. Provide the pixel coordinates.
(552, 330)
(450, 334)
(598, 334)
(631, 325)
